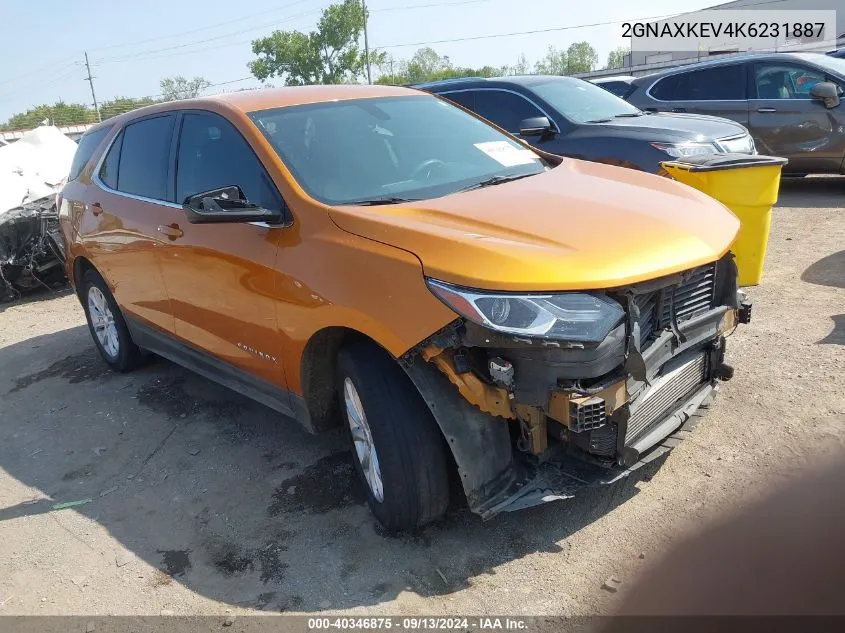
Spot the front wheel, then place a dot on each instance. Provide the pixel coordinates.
(397, 446)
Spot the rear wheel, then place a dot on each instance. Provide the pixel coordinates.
(397, 447)
(106, 324)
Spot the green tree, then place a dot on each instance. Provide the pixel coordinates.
(60, 113)
(581, 58)
(428, 65)
(520, 68)
(554, 63)
(119, 105)
(330, 55)
(616, 57)
(177, 87)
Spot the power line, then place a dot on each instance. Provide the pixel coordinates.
(199, 29)
(531, 32)
(425, 6)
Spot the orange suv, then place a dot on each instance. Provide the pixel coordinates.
(377, 258)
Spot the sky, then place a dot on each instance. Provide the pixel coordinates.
(132, 45)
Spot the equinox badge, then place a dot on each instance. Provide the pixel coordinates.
(255, 352)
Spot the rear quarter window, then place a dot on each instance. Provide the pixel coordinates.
(87, 145)
(721, 83)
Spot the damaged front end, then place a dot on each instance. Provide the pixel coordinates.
(613, 381)
(31, 249)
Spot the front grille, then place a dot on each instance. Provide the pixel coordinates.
(669, 390)
(691, 297)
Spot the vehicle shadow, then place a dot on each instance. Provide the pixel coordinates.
(828, 271)
(36, 295)
(229, 499)
(811, 193)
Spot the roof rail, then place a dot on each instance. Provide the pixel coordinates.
(439, 82)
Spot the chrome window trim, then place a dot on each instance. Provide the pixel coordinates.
(689, 70)
(95, 176)
(514, 92)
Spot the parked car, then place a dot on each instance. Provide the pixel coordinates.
(376, 258)
(790, 102)
(574, 118)
(620, 85)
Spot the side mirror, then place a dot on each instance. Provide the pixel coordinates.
(535, 126)
(226, 205)
(826, 91)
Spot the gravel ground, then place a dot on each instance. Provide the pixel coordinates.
(202, 501)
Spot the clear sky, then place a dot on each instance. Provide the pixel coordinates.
(132, 45)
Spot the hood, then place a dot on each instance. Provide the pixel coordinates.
(686, 127)
(576, 227)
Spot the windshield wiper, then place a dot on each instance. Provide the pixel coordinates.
(628, 115)
(599, 121)
(495, 180)
(372, 202)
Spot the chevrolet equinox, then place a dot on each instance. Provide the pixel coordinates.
(374, 257)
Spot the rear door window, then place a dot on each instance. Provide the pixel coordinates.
(144, 157)
(721, 83)
(505, 109)
(87, 145)
(213, 154)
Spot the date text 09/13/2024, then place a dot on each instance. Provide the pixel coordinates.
(418, 623)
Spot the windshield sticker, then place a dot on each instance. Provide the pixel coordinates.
(506, 154)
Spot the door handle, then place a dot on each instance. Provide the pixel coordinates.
(764, 110)
(172, 231)
(96, 208)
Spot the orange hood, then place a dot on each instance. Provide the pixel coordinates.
(579, 226)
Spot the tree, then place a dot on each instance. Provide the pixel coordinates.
(616, 57)
(554, 63)
(119, 105)
(427, 65)
(330, 55)
(581, 58)
(175, 88)
(60, 113)
(521, 66)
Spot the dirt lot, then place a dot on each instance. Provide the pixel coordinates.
(202, 501)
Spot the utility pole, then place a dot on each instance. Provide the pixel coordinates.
(90, 80)
(366, 43)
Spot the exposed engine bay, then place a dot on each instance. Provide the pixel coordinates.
(579, 413)
(31, 248)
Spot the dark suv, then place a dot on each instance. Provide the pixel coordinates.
(789, 102)
(572, 117)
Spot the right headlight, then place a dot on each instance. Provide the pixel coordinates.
(566, 316)
(679, 150)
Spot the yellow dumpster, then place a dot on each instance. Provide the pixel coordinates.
(746, 184)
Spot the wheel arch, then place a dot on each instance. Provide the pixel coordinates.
(317, 374)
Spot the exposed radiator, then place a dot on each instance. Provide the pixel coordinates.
(665, 394)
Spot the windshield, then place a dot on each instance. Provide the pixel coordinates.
(581, 101)
(390, 149)
(834, 65)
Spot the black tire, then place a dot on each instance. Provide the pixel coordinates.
(128, 356)
(407, 440)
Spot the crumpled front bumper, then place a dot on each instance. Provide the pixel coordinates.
(563, 477)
